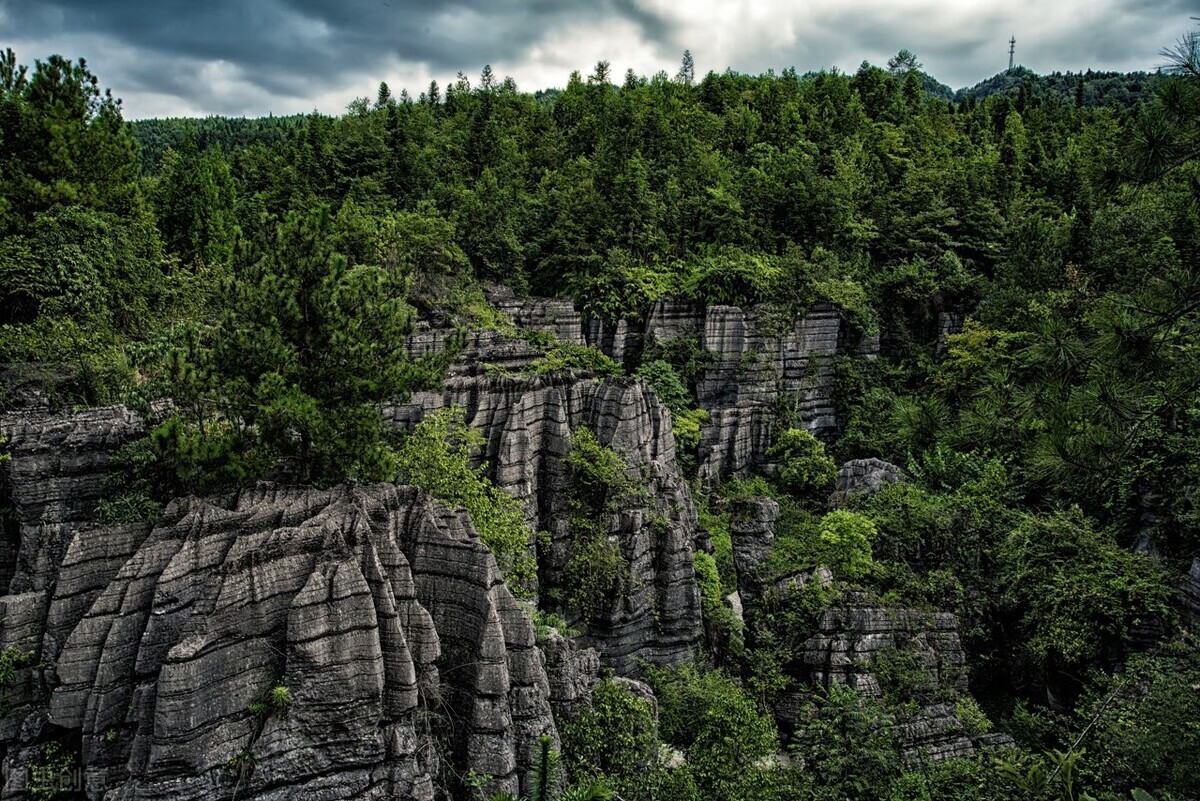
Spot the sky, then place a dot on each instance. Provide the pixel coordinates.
(254, 57)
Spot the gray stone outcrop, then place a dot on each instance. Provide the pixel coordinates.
(759, 361)
(379, 610)
(752, 531)
(866, 476)
(852, 635)
(528, 423)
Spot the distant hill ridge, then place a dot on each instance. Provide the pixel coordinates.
(1088, 88)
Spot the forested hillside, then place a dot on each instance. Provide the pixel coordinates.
(1012, 279)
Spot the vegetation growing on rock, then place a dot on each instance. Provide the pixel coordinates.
(995, 291)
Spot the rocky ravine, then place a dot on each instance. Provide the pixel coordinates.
(153, 649)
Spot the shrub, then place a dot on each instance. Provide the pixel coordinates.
(51, 777)
(804, 470)
(597, 473)
(1147, 735)
(846, 543)
(846, 743)
(616, 736)
(718, 726)
(562, 357)
(436, 457)
(1076, 591)
(719, 619)
(667, 384)
(280, 697)
(597, 571)
(133, 488)
(731, 276)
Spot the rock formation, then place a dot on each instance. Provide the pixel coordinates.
(760, 363)
(752, 532)
(528, 422)
(865, 476)
(856, 632)
(377, 608)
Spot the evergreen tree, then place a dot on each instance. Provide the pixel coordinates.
(307, 349)
(687, 70)
(195, 201)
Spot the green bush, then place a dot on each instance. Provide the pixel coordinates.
(804, 470)
(845, 539)
(1077, 593)
(53, 775)
(597, 473)
(719, 620)
(717, 526)
(733, 277)
(666, 383)
(717, 725)
(436, 456)
(1145, 732)
(564, 357)
(136, 485)
(615, 737)
(846, 742)
(597, 572)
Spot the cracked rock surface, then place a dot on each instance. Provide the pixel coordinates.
(155, 650)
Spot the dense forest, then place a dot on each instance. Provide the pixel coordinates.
(264, 275)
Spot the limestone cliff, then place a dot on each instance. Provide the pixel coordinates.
(528, 422)
(153, 651)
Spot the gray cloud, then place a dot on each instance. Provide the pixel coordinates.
(255, 56)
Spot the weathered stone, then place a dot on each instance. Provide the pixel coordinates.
(734, 599)
(1189, 592)
(752, 530)
(854, 632)
(796, 582)
(949, 324)
(378, 608)
(528, 424)
(865, 476)
(571, 671)
(759, 361)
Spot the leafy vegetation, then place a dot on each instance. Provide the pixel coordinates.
(265, 274)
(597, 570)
(438, 457)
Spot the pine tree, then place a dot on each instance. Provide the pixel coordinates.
(308, 348)
(384, 97)
(195, 201)
(687, 70)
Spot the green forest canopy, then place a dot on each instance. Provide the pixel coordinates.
(1059, 214)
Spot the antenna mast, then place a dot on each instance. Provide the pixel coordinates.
(1012, 47)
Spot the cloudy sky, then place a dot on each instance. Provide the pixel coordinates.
(251, 57)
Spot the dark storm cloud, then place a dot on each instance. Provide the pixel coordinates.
(291, 47)
(254, 56)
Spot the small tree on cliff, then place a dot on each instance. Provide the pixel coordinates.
(306, 351)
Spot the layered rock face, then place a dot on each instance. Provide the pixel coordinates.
(856, 633)
(759, 364)
(54, 559)
(377, 608)
(853, 636)
(529, 423)
(865, 476)
(752, 532)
